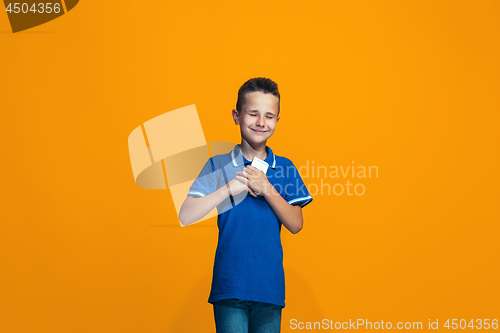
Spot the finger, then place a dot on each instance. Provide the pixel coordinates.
(242, 179)
(248, 169)
(254, 169)
(244, 174)
(257, 171)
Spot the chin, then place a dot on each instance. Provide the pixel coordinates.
(259, 140)
(253, 139)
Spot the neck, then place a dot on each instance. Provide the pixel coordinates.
(252, 150)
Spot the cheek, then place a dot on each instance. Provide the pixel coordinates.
(246, 121)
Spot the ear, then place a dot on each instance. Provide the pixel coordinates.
(236, 117)
(277, 118)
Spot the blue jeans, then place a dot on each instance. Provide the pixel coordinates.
(239, 316)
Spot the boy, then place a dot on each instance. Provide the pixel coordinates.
(248, 285)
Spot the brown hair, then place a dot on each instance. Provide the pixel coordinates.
(261, 84)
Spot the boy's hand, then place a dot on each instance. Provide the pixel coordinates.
(255, 179)
(236, 187)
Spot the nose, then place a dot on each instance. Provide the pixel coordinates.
(260, 122)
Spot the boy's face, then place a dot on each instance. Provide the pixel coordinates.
(258, 117)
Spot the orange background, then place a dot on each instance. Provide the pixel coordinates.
(409, 86)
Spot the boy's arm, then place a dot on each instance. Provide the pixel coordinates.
(194, 209)
(290, 216)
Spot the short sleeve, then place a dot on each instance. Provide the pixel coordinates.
(295, 190)
(206, 182)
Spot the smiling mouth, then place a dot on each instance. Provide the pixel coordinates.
(257, 131)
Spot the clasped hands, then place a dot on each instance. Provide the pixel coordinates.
(250, 179)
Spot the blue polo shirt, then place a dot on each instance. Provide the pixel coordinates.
(249, 257)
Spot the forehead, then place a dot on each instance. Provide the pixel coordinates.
(262, 102)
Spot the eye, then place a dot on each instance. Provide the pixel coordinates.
(269, 117)
(253, 114)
